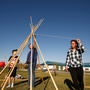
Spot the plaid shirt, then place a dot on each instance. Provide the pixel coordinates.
(74, 58)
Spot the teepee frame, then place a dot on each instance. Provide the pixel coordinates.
(21, 48)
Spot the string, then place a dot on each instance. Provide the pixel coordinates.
(65, 38)
(55, 36)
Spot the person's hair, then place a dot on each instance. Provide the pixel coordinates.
(76, 43)
(29, 45)
(14, 50)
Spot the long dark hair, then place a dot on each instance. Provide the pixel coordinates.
(76, 43)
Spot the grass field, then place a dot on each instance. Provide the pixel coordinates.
(63, 81)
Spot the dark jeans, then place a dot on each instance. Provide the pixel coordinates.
(77, 77)
(33, 74)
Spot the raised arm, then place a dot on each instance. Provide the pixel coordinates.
(81, 46)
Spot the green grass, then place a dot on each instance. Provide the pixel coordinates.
(62, 81)
(87, 72)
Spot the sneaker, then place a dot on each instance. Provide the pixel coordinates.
(8, 86)
(12, 86)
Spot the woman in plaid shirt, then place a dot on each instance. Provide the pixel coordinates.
(74, 63)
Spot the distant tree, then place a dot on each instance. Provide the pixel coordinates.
(61, 67)
(56, 65)
(38, 66)
(20, 65)
(23, 66)
(53, 64)
(86, 68)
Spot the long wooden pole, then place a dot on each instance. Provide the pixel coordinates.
(15, 55)
(15, 64)
(9, 62)
(46, 65)
(7, 65)
(31, 67)
(87, 86)
(12, 59)
(40, 66)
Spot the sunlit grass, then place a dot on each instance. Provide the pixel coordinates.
(63, 81)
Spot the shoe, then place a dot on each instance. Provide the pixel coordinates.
(12, 86)
(8, 86)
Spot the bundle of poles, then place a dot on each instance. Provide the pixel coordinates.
(20, 49)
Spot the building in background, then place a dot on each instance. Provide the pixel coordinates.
(61, 66)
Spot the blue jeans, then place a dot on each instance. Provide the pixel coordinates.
(33, 74)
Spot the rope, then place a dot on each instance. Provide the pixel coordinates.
(55, 36)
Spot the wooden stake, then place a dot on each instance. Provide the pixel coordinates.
(14, 55)
(31, 67)
(10, 61)
(33, 28)
(21, 47)
(40, 66)
(38, 59)
(46, 65)
(17, 79)
(15, 64)
(87, 86)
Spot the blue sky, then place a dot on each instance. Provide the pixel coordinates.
(66, 18)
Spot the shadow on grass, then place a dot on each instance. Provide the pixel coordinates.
(20, 82)
(15, 88)
(37, 77)
(40, 81)
(37, 82)
(46, 83)
(69, 84)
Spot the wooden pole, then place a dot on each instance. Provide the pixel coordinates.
(39, 23)
(10, 72)
(87, 86)
(46, 65)
(17, 79)
(7, 65)
(31, 67)
(38, 58)
(14, 55)
(15, 64)
(12, 58)
(8, 75)
(40, 66)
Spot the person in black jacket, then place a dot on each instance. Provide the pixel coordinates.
(14, 71)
